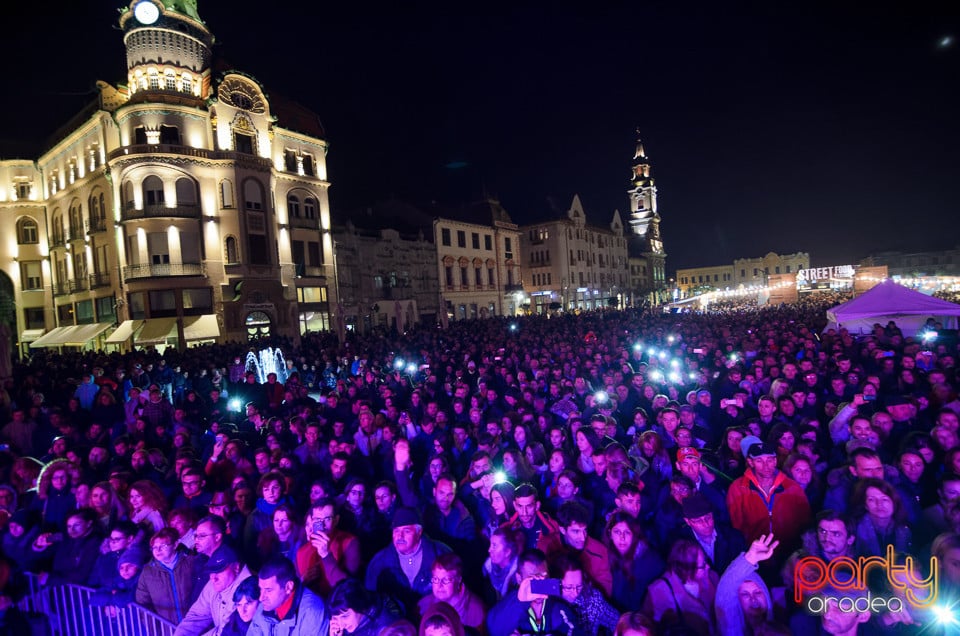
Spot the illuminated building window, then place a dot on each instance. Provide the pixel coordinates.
(293, 206)
(186, 83)
(226, 194)
(170, 80)
(152, 191)
(230, 247)
(27, 231)
(23, 191)
(310, 208)
(308, 168)
(290, 160)
(154, 79)
(31, 275)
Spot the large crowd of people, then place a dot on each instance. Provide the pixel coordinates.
(614, 472)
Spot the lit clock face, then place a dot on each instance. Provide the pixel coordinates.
(146, 12)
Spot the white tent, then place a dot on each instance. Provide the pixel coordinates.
(889, 301)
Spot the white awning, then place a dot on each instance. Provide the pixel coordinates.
(51, 338)
(156, 330)
(201, 327)
(30, 335)
(122, 333)
(82, 334)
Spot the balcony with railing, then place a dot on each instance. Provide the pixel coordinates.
(162, 270)
(61, 289)
(78, 285)
(99, 279)
(96, 225)
(311, 271)
(310, 224)
(58, 240)
(199, 153)
(158, 211)
(76, 231)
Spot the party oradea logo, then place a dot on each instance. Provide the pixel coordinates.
(843, 582)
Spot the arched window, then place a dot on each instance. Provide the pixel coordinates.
(310, 208)
(230, 247)
(126, 193)
(27, 232)
(293, 206)
(186, 191)
(226, 194)
(152, 191)
(56, 227)
(76, 219)
(94, 204)
(186, 83)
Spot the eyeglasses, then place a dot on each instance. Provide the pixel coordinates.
(156, 547)
(572, 588)
(115, 539)
(444, 581)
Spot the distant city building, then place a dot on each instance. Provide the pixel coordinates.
(387, 277)
(478, 262)
(914, 264)
(743, 272)
(571, 264)
(184, 206)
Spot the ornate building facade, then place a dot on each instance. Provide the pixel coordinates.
(183, 207)
(571, 264)
(478, 262)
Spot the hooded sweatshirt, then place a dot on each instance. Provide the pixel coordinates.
(730, 619)
(448, 613)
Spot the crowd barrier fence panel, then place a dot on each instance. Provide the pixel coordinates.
(68, 611)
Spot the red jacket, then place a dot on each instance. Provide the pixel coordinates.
(786, 513)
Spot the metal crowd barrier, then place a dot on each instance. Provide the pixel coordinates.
(68, 612)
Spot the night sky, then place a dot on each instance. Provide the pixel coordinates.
(776, 126)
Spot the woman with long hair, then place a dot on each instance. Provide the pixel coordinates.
(684, 594)
(587, 441)
(800, 469)
(55, 499)
(633, 562)
(148, 506)
(501, 507)
(558, 462)
(284, 537)
(108, 505)
(514, 465)
(881, 518)
(732, 462)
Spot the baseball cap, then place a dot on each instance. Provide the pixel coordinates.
(687, 452)
(761, 449)
(221, 558)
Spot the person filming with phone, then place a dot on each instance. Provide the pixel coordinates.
(331, 554)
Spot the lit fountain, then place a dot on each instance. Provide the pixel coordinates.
(268, 361)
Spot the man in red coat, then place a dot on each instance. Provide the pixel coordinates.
(766, 501)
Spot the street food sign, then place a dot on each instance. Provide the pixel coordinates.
(814, 274)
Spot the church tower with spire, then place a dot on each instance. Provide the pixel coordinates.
(647, 256)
